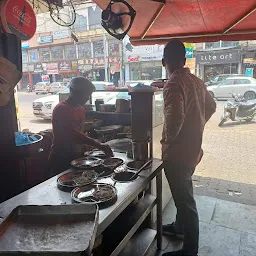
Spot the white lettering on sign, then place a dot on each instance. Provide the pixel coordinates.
(19, 14)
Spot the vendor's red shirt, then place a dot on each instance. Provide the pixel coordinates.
(65, 118)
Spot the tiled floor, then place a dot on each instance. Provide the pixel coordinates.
(226, 228)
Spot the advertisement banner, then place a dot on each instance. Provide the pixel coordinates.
(74, 65)
(65, 66)
(44, 39)
(60, 34)
(218, 57)
(191, 64)
(39, 68)
(249, 62)
(18, 18)
(52, 68)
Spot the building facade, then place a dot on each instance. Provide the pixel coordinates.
(53, 54)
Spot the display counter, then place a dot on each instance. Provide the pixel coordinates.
(125, 220)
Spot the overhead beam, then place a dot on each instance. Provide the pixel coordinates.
(168, 37)
(226, 30)
(151, 23)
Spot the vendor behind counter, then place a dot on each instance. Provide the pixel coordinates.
(67, 121)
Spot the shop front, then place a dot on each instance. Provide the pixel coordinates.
(249, 64)
(210, 64)
(143, 62)
(67, 69)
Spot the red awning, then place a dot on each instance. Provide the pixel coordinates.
(191, 20)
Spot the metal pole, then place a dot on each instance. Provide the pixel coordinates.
(105, 56)
(159, 210)
(121, 50)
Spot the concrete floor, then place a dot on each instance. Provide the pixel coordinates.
(226, 228)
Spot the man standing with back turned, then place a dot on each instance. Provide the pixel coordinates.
(187, 108)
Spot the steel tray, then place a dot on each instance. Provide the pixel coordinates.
(86, 163)
(49, 230)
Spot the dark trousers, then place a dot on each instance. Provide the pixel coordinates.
(180, 181)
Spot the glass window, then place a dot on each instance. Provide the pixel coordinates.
(227, 82)
(151, 70)
(94, 15)
(80, 23)
(242, 81)
(113, 48)
(229, 44)
(45, 54)
(135, 71)
(98, 49)
(70, 52)
(24, 56)
(57, 53)
(33, 55)
(212, 45)
(84, 51)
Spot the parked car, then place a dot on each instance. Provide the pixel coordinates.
(245, 86)
(42, 87)
(220, 78)
(44, 106)
(159, 83)
(101, 85)
(134, 82)
(56, 87)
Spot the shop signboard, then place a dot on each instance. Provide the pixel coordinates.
(99, 62)
(31, 67)
(44, 39)
(189, 53)
(249, 72)
(38, 68)
(52, 68)
(60, 34)
(24, 67)
(191, 64)
(249, 62)
(144, 53)
(25, 45)
(74, 65)
(221, 57)
(85, 67)
(65, 66)
(18, 18)
(113, 60)
(45, 78)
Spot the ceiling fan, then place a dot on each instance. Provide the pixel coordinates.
(118, 18)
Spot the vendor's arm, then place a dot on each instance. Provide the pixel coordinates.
(173, 111)
(80, 138)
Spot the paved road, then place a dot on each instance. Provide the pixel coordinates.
(227, 169)
(27, 119)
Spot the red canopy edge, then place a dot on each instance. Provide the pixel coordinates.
(194, 21)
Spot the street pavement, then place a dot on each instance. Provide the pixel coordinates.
(27, 119)
(227, 170)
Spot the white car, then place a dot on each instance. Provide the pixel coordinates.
(42, 87)
(43, 107)
(56, 87)
(245, 86)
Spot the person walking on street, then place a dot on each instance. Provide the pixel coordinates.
(187, 108)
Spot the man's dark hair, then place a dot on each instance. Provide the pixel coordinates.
(81, 84)
(174, 52)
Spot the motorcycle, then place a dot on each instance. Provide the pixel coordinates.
(239, 109)
(29, 88)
